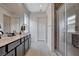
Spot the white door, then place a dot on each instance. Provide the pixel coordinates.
(41, 29)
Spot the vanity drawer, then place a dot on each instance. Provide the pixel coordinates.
(2, 51)
(13, 45)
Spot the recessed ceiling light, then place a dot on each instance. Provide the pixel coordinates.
(40, 6)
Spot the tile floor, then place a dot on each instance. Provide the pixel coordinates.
(33, 52)
(39, 49)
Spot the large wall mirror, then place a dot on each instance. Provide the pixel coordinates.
(10, 24)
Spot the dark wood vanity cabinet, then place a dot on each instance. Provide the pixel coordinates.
(75, 40)
(20, 48)
(16, 48)
(27, 42)
(26, 45)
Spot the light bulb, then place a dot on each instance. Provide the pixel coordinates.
(40, 6)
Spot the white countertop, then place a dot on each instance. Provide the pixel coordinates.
(73, 32)
(7, 40)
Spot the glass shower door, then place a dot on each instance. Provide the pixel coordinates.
(61, 29)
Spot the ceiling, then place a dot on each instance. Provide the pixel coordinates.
(36, 7)
(18, 9)
(13, 8)
(57, 5)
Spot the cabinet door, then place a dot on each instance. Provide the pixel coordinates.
(26, 45)
(20, 50)
(2, 51)
(29, 41)
(12, 53)
(13, 45)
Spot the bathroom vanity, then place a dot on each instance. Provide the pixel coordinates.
(75, 40)
(15, 46)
